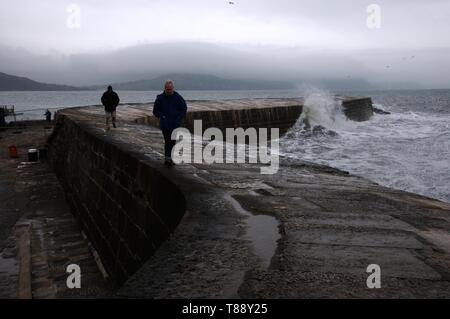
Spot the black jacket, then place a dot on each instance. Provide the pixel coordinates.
(110, 100)
(170, 109)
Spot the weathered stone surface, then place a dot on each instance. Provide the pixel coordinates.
(55, 239)
(358, 109)
(47, 238)
(332, 225)
(125, 206)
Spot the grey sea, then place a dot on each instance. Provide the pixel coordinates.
(408, 149)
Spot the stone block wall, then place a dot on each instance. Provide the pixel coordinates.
(125, 207)
(269, 117)
(358, 109)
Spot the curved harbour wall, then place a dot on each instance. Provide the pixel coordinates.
(125, 207)
(189, 231)
(269, 113)
(274, 117)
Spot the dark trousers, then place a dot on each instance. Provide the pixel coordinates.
(168, 142)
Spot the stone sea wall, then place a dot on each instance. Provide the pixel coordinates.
(358, 109)
(124, 206)
(123, 203)
(273, 117)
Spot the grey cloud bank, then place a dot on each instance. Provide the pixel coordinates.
(120, 41)
(49, 24)
(424, 68)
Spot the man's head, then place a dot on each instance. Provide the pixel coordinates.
(109, 88)
(168, 87)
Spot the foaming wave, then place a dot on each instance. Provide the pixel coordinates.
(322, 115)
(407, 151)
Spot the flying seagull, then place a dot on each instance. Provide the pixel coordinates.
(230, 2)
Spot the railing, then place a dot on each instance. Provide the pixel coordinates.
(10, 111)
(5, 111)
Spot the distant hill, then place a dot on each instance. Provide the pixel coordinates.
(16, 83)
(210, 82)
(200, 82)
(185, 81)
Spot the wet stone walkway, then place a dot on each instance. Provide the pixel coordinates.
(8, 218)
(55, 239)
(331, 226)
(319, 229)
(39, 237)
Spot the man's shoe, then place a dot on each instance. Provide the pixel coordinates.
(168, 162)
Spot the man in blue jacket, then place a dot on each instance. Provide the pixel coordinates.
(170, 108)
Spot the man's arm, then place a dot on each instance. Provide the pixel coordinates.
(103, 99)
(183, 109)
(157, 108)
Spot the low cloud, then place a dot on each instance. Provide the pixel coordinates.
(419, 68)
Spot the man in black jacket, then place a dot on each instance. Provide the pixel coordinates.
(170, 108)
(110, 100)
(48, 115)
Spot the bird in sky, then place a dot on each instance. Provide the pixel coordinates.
(230, 2)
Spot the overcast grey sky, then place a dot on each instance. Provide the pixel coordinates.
(105, 24)
(60, 32)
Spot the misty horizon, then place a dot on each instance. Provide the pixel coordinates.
(83, 43)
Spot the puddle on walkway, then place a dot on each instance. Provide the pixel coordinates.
(262, 231)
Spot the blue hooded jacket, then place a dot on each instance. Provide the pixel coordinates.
(170, 109)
